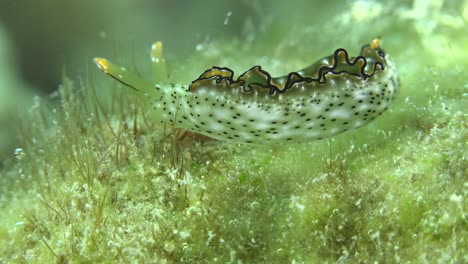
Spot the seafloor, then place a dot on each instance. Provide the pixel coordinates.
(95, 180)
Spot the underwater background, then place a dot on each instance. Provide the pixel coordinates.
(86, 176)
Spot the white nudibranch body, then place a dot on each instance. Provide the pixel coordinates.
(331, 96)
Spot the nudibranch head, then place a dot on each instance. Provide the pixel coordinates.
(335, 94)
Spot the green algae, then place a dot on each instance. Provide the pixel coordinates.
(99, 182)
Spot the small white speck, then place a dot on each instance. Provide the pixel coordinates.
(313, 133)
(358, 123)
(363, 107)
(211, 235)
(375, 235)
(228, 15)
(340, 113)
(18, 224)
(456, 198)
(358, 202)
(334, 130)
(19, 153)
(184, 234)
(199, 47)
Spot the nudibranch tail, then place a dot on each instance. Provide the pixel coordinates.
(333, 95)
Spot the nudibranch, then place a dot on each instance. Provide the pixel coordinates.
(335, 94)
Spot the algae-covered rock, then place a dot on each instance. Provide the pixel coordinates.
(98, 181)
